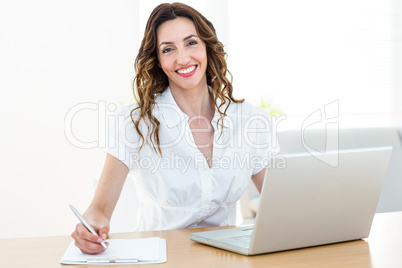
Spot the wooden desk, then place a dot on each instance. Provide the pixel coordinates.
(383, 248)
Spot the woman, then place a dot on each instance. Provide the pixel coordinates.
(191, 145)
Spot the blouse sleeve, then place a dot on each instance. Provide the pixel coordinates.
(122, 139)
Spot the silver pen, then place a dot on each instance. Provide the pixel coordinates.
(86, 224)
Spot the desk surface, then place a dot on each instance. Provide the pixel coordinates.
(381, 249)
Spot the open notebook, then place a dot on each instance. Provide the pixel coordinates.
(120, 251)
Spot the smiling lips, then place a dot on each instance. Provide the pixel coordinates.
(187, 71)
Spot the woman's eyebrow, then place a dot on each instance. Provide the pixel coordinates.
(184, 39)
(188, 37)
(165, 43)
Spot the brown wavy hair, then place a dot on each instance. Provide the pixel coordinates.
(150, 78)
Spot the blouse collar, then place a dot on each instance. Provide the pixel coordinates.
(173, 115)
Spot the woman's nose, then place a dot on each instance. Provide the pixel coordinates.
(183, 57)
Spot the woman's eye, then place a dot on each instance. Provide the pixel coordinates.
(192, 43)
(166, 50)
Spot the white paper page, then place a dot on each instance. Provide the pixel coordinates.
(144, 249)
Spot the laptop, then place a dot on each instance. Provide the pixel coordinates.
(308, 202)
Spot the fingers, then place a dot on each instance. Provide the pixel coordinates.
(88, 242)
(103, 232)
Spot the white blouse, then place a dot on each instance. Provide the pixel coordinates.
(178, 189)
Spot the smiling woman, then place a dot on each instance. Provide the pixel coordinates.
(183, 59)
(186, 113)
(163, 46)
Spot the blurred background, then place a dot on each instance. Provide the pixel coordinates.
(65, 66)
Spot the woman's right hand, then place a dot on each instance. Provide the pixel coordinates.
(85, 240)
(100, 211)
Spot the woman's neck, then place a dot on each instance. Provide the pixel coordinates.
(196, 102)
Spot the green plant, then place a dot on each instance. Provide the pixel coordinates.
(269, 107)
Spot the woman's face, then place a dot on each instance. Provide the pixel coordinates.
(182, 54)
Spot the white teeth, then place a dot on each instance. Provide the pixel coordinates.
(186, 71)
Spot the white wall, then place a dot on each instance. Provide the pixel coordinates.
(57, 55)
(397, 61)
(302, 55)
